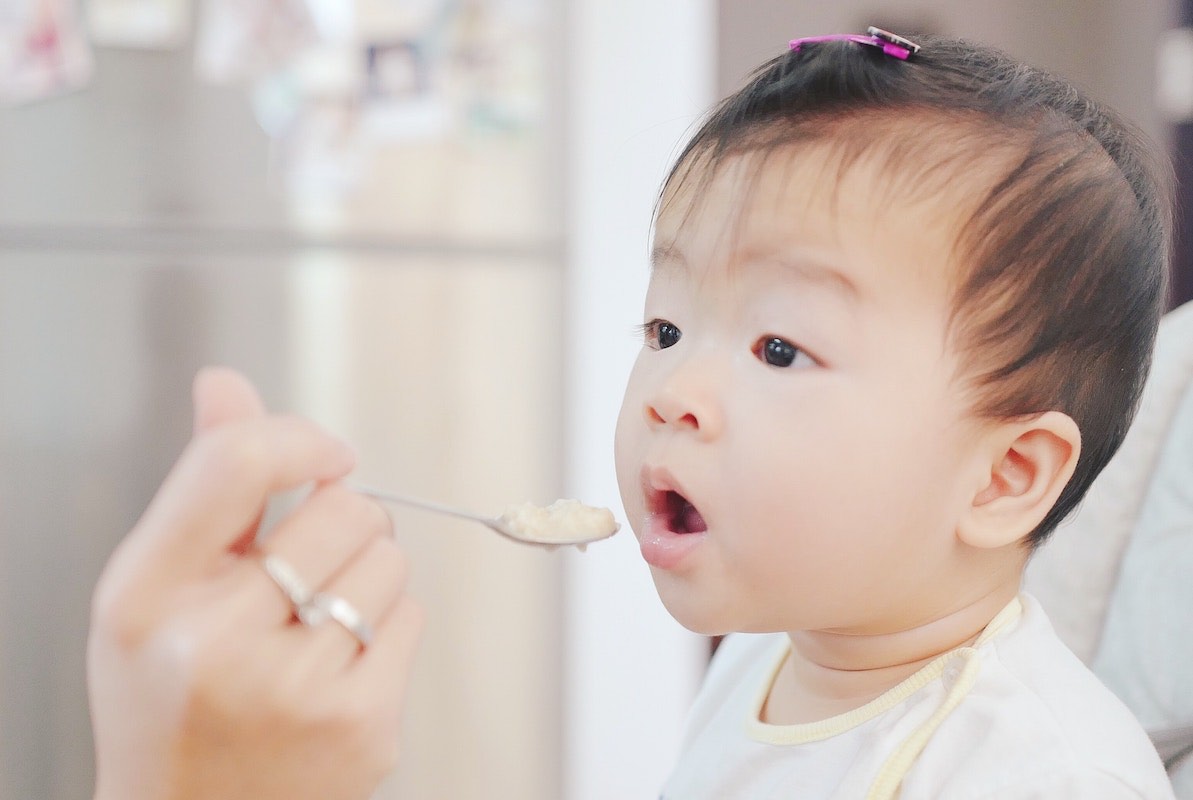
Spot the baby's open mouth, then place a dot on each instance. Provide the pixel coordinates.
(681, 516)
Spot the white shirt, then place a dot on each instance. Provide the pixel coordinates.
(1016, 716)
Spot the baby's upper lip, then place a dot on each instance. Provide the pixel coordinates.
(657, 482)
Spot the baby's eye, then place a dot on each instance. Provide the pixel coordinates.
(779, 352)
(666, 334)
(660, 334)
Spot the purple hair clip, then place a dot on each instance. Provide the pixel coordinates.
(891, 44)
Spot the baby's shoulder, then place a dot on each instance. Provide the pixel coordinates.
(1037, 717)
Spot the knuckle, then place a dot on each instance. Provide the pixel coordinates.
(383, 523)
(120, 614)
(338, 499)
(300, 423)
(391, 560)
(361, 513)
(373, 519)
(234, 451)
(113, 617)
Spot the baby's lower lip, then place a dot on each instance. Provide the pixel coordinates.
(664, 548)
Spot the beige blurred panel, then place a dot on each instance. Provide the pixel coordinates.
(487, 189)
(446, 380)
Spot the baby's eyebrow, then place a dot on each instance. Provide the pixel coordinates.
(814, 270)
(662, 255)
(802, 266)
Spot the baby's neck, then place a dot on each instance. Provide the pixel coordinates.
(830, 673)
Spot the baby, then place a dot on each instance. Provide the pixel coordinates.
(901, 308)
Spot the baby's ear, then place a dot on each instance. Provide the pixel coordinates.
(1030, 462)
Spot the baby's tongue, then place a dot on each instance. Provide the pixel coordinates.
(691, 519)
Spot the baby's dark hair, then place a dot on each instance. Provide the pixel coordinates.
(1061, 261)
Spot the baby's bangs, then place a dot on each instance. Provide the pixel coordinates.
(922, 156)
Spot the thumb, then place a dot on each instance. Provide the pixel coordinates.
(223, 395)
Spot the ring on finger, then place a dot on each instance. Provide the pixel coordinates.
(287, 579)
(323, 606)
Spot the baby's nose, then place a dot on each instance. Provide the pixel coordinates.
(687, 405)
(685, 420)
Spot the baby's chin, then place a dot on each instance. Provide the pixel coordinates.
(697, 614)
(708, 617)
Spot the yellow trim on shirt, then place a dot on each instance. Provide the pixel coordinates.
(805, 732)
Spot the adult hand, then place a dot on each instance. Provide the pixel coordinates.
(202, 684)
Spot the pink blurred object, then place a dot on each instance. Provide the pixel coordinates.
(43, 51)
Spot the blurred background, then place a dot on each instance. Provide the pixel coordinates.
(424, 223)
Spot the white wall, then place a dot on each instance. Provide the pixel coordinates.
(639, 74)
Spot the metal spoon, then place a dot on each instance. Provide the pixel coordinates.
(512, 524)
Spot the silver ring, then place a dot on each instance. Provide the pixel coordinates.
(323, 606)
(293, 587)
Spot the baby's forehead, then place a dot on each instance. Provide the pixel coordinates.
(898, 161)
(811, 198)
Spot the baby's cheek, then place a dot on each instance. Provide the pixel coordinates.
(627, 461)
(628, 424)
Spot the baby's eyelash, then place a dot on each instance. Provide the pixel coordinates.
(646, 330)
(659, 334)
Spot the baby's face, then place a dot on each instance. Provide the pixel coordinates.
(793, 451)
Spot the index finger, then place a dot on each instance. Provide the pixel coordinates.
(221, 483)
(223, 395)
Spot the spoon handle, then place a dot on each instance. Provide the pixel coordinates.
(426, 505)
